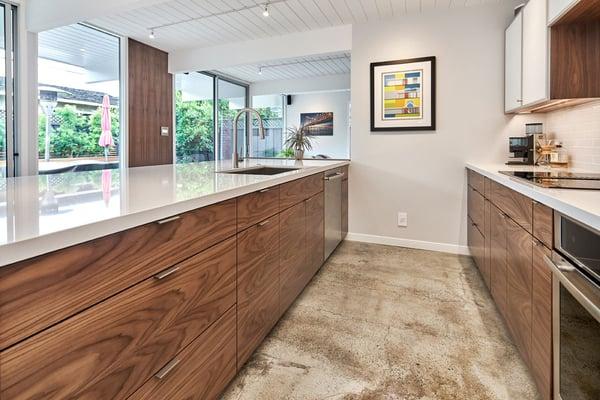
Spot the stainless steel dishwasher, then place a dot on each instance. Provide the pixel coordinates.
(333, 211)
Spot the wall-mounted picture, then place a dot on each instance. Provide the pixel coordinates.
(317, 124)
(403, 95)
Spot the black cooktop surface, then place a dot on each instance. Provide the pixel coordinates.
(559, 180)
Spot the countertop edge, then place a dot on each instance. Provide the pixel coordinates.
(532, 191)
(43, 244)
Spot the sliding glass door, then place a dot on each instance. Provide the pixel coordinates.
(232, 97)
(7, 123)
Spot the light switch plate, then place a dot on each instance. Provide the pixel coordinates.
(164, 131)
(402, 219)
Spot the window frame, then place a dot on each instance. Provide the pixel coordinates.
(11, 58)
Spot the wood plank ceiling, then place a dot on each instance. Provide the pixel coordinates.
(181, 24)
(291, 68)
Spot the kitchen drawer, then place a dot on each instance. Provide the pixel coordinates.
(255, 207)
(543, 227)
(257, 285)
(476, 245)
(292, 193)
(37, 293)
(201, 371)
(476, 181)
(294, 273)
(111, 349)
(518, 207)
(476, 208)
(315, 232)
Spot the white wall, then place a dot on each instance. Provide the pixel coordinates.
(423, 173)
(336, 146)
(301, 85)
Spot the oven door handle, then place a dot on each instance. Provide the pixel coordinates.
(578, 285)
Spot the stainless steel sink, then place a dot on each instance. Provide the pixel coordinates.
(260, 170)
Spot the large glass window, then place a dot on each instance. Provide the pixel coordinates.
(232, 98)
(7, 127)
(79, 87)
(271, 108)
(194, 117)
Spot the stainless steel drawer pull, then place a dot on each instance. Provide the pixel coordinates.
(171, 219)
(337, 175)
(264, 190)
(166, 369)
(264, 222)
(165, 273)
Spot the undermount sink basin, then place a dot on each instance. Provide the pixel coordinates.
(260, 170)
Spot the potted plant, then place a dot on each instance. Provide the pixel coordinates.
(299, 141)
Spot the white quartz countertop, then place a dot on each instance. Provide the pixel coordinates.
(40, 214)
(581, 205)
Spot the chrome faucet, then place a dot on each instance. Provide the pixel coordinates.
(261, 131)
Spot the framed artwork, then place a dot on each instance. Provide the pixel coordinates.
(403, 95)
(317, 124)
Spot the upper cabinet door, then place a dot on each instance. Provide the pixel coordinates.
(535, 52)
(513, 64)
(556, 8)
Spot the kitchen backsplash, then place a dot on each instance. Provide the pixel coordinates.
(578, 128)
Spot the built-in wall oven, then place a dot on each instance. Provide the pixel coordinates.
(575, 264)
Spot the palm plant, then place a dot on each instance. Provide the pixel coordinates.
(299, 141)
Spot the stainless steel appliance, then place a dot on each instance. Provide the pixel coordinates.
(575, 265)
(333, 211)
(522, 150)
(558, 179)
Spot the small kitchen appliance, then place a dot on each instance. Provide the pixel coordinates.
(522, 150)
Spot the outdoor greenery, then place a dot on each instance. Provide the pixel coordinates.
(2, 137)
(77, 134)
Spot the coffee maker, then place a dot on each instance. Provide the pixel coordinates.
(521, 150)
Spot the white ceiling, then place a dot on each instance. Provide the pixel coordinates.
(240, 20)
(291, 68)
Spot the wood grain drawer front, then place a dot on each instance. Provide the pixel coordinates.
(255, 207)
(498, 282)
(543, 226)
(37, 293)
(201, 371)
(315, 232)
(476, 245)
(519, 284)
(110, 350)
(513, 204)
(292, 261)
(476, 208)
(258, 285)
(476, 181)
(294, 192)
(487, 263)
(541, 323)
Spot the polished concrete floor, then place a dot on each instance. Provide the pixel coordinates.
(382, 322)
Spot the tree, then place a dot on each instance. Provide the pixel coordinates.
(194, 129)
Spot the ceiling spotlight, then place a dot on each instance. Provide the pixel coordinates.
(266, 10)
(151, 35)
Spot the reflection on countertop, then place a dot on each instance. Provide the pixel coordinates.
(39, 214)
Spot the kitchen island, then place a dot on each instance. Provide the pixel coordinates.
(154, 282)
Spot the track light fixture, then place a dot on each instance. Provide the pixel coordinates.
(266, 10)
(151, 35)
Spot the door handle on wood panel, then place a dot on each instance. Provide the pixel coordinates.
(337, 175)
(166, 369)
(170, 219)
(166, 272)
(264, 190)
(264, 222)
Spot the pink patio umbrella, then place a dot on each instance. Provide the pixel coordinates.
(106, 139)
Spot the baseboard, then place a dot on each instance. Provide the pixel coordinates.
(413, 244)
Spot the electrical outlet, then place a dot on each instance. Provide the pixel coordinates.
(402, 219)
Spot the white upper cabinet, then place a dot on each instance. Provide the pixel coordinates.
(535, 52)
(513, 64)
(556, 8)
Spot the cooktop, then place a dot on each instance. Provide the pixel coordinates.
(558, 179)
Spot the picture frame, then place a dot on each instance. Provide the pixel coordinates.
(403, 95)
(317, 123)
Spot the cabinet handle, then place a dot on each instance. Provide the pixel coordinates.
(502, 215)
(264, 222)
(171, 219)
(536, 242)
(337, 175)
(166, 369)
(519, 100)
(264, 190)
(165, 273)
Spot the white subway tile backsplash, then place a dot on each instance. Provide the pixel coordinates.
(578, 128)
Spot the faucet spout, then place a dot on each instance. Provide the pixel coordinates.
(261, 131)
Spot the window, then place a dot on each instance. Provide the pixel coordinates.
(194, 117)
(271, 108)
(79, 87)
(8, 20)
(232, 98)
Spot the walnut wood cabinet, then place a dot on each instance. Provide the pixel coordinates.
(517, 232)
(167, 310)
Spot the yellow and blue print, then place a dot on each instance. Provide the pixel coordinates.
(402, 95)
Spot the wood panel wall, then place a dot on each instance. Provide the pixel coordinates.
(150, 106)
